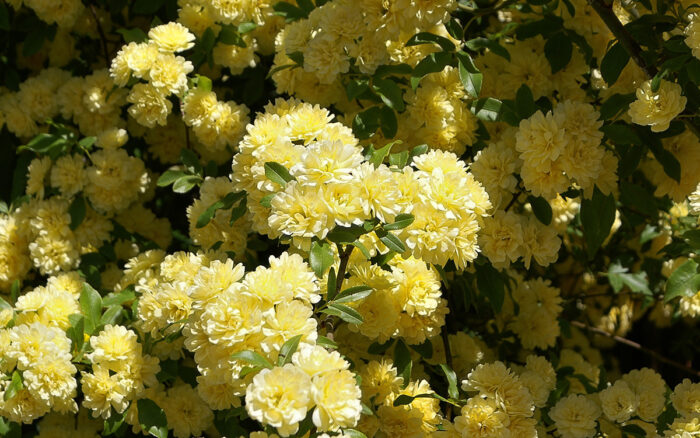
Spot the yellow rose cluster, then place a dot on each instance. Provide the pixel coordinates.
(334, 185)
(327, 218)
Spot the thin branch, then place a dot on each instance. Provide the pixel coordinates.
(638, 347)
(605, 12)
(344, 259)
(344, 253)
(515, 197)
(101, 31)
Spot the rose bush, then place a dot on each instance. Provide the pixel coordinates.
(380, 218)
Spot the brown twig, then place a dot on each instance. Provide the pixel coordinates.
(606, 13)
(344, 254)
(638, 347)
(344, 259)
(515, 197)
(93, 11)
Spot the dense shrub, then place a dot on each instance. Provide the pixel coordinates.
(390, 218)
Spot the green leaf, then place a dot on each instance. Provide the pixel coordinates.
(454, 28)
(356, 87)
(452, 389)
(287, 350)
(656, 80)
(638, 198)
(525, 102)
(124, 296)
(470, 76)
(615, 104)
(597, 217)
(190, 159)
(480, 43)
(547, 26)
(267, 199)
(669, 162)
(246, 27)
(297, 57)
(487, 109)
(321, 258)
(77, 212)
(247, 370)
(363, 249)
(91, 307)
(430, 38)
(613, 63)
(630, 157)
(14, 290)
(377, 155)
(379, 349)
(343, 235)
(252, 358)
(402, 361)
(490, 282)
(618, 276)
(186, 183)
(326, 343)
(393, 69)
(399, 159)
(558, 50)
(388, 122)
(170, 176)
(400, 221)
(152, 418)
(425, 349)
(693, 239)
(46, 144)
(76, 331)
(418, 150)
(621, 133)
(229, 35)
(404, 399)
(222, 204)
(355, 293)
(34, 41)
(347, 314)
(331, 285)
(87, 142)
(111, 315)
(112, 425)
(238, 211)
(634, 430)
(541, 209)
(289, 11)
(683, 282)
(14, 387)
(203, 48)
(4, 305)
(203, 83)
(135, 35)
(366, 122)
(391, 241)
(432, 63)
(389, 92)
